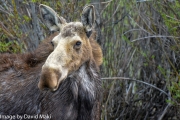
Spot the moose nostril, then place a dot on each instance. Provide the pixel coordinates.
(49, 79)
(45, 87)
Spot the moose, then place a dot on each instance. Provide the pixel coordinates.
(60, 79)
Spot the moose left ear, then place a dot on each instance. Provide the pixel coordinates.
(88, 18)
(52, 20)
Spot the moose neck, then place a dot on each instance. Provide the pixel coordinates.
(86, 76)
(87, 80)
(87, 73)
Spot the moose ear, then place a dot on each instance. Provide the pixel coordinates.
(88, 18)
(51, 18)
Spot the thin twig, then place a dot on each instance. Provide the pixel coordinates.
(108, 2)
(113, 14)
(130, 59)
(5, 30)
(111, 89)
(131, 30)
(164, 112)
(154, 36)
(140, 25)
(140, 81)
(4, 11)
(172, 17)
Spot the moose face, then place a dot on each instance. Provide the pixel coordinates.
(72, 48)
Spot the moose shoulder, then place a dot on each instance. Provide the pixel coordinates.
(60, 78)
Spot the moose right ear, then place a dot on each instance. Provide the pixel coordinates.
(51, 18)
(88, 18)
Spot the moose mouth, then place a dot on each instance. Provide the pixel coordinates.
(51, 78)
(63, 77)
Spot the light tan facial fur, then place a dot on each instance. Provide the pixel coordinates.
(71, 49)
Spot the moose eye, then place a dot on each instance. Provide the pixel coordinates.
(52, 43)
(77, 45)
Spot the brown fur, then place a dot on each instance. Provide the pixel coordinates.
(27, 60)
(71, 29)
(96, 50)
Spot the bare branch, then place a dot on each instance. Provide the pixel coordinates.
(140, 81)
(154, 36)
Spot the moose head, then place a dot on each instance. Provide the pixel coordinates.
(72, 46)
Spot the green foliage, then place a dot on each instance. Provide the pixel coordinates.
(171, 19)
(34, 1)
(4, 46)
(11, 47)
(175, 91)
(26, 18)
(162, 70)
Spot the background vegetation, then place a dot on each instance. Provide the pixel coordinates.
(140, 41)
